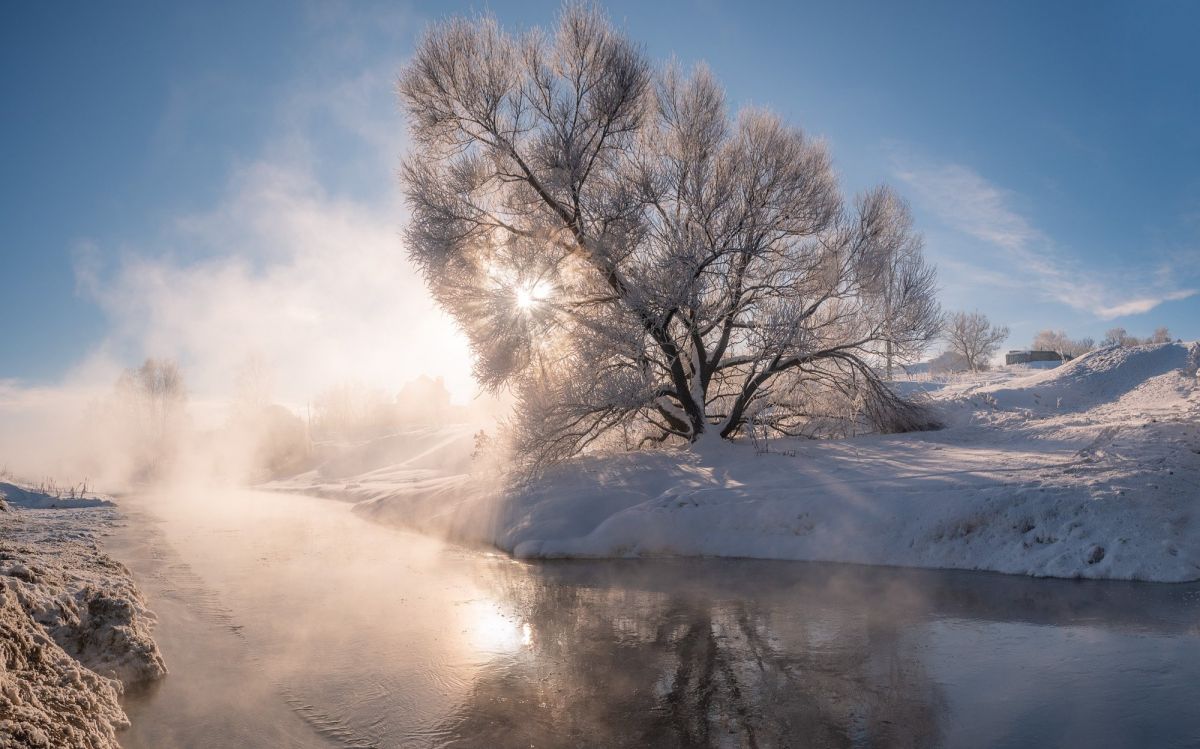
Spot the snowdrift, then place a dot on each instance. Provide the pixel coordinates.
(32, 499)
(420, 461)
(1091, 470)
(1098, 379)
(74, 630)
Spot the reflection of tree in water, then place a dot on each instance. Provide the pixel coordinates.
(620, 666)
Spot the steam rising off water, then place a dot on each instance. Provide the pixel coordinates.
(286, 620)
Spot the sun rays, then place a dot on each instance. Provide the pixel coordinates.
(529, 296)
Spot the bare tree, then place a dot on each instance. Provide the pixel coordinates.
(252, 387)
(1063, 345)
(1051, 340)
(972, 335)
(147, 414)
(157, 389)
(630, 258)
(352, 410)
(1120, 337)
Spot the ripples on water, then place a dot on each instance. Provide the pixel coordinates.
(277, 608)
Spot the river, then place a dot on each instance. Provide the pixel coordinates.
(288, 621)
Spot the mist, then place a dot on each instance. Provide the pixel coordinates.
(308, 288)
(308, 291)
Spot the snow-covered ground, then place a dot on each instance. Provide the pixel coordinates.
(423, 461)
(74, 629)
(1091, 469)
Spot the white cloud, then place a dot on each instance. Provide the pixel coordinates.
(968, 203)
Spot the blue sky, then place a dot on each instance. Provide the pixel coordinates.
(182, 179)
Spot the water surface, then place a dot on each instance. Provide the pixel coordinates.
(289, 621)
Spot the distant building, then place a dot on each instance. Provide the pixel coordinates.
(1030, 357)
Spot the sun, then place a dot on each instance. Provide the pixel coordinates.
(528, 297)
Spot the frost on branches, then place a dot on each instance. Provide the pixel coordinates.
(637, 264)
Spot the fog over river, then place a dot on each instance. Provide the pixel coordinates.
(288, 621)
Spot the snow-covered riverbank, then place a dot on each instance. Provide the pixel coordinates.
(1088, 470)
(74, 629)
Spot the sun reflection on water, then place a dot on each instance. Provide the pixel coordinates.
(489, 628)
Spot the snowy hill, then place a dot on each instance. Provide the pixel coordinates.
(1091, 469)
(1100, 378)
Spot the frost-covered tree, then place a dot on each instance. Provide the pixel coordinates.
(1062, 344)
(1120, 337)
(633, 260)
(351, 410)
(155, 393)
(974, 337)
(1080, 346)
(146, 416)
(1051, 340)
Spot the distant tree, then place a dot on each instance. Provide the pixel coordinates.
(147, 413)
(268, 439)
(426, 401)
(252, 386)
(631, 259)
(156, 388)
(972, 335)
(1058, 342)
(281, 445)
(352, 410)
(1120, 337)
(1051, 340)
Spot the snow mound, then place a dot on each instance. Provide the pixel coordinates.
(1099, 377)
(33, 499)
(1192, 369)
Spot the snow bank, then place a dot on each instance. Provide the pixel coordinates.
(420, 459)
(47, 698)
(32, 499)
(76, 630)
(1091, 469)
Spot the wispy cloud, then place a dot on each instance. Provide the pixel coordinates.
(968, 203)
